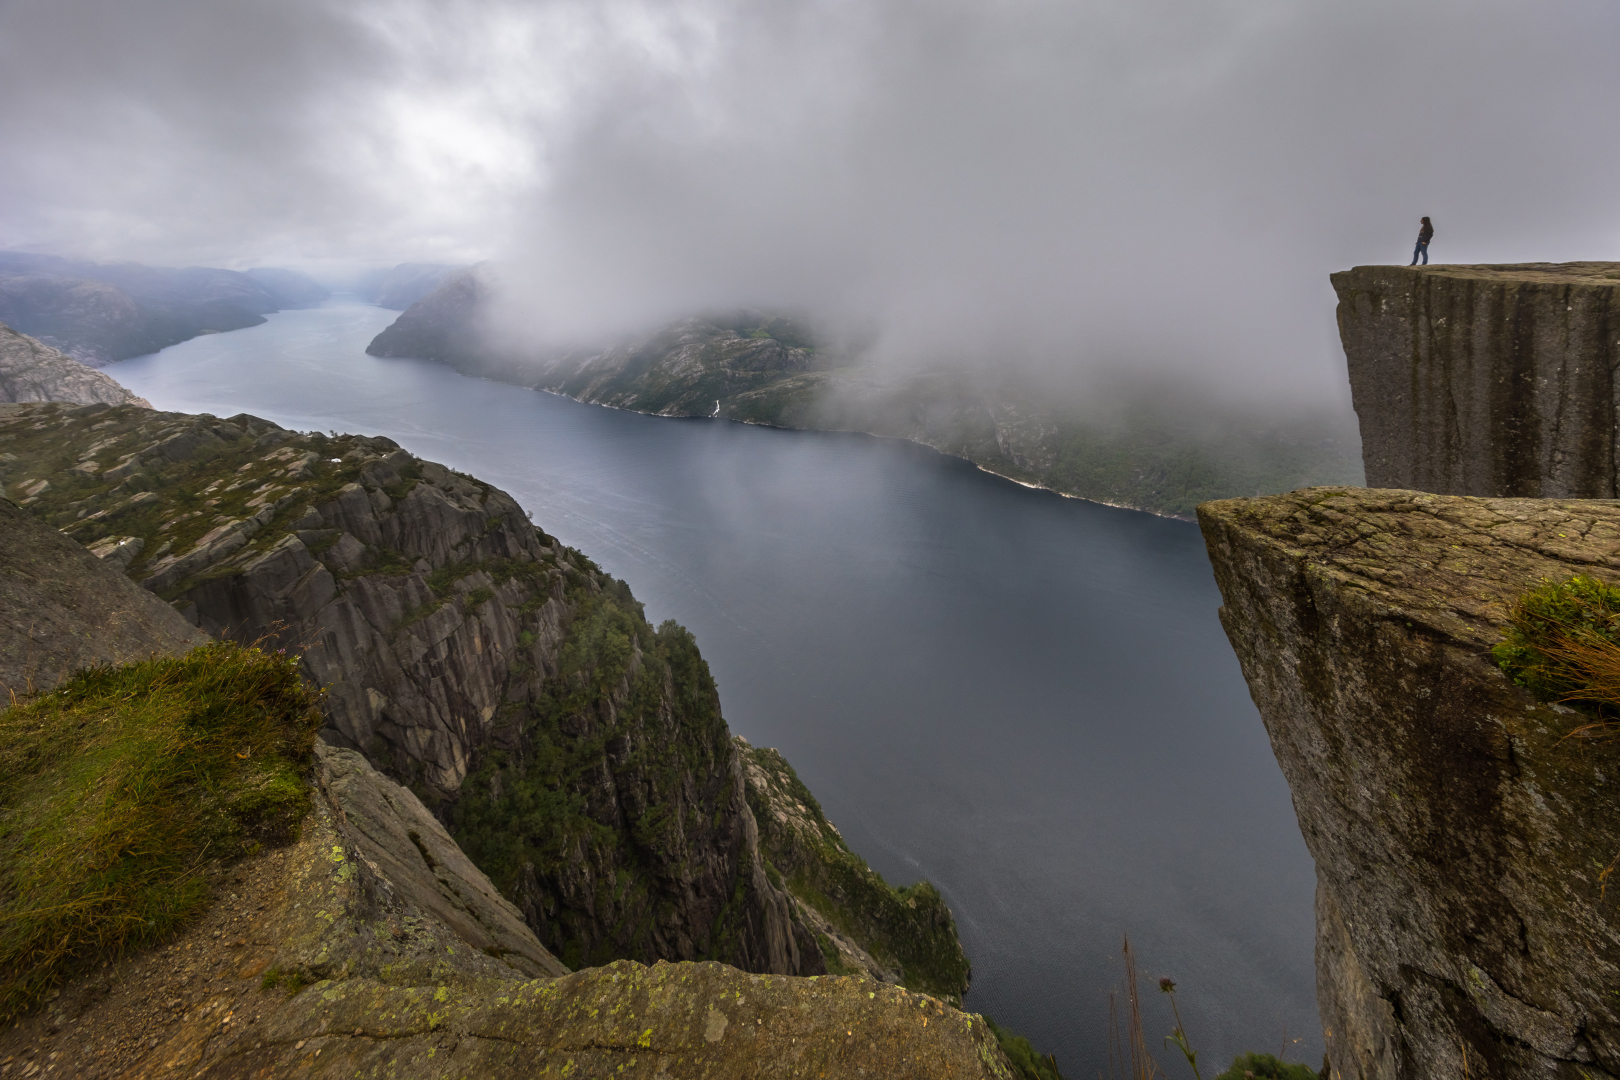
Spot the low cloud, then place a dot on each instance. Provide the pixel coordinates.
(1156, 186)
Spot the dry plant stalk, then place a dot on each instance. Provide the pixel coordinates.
(1139, 1063)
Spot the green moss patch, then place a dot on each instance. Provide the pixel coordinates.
(1563, 645)
(119, 789)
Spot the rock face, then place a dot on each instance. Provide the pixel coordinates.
(370, 948)
(33, 371)
(100, 313)
(904, 936)
(1460, 838)
(577, 754)
(62, 609)
(1486, 380)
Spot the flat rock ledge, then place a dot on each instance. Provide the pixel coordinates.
(373, 948)
(1459, 836)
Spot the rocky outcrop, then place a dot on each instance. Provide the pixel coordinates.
(62, 609)
(1461, 838)
(100, 313)
(577, 754)
(904, 936)
(1486, 380)
(370, 948)
(33, 371)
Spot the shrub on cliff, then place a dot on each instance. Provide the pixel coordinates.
(1563, 645)
(118, 789)
(1266, 1067)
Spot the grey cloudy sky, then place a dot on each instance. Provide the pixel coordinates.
(1158, 184)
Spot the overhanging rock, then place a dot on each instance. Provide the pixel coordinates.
(1459, 836)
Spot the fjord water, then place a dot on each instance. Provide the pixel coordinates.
(1026, 699)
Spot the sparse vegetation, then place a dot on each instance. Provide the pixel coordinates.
(119, 789)
(1026, 1061)
(1266, 1067)
(1563, 645)
(909, 928)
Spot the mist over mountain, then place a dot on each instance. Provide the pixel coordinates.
(1158, 188)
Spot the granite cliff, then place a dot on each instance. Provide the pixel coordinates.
(367, 943)
(1157, 448)
(1486, 380)
(1460, 835)
(577, 753)
(30, 370)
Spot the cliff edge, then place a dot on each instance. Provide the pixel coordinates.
(1460, 837)
(1486, 380)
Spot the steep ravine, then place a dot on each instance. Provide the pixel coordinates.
(577, 753)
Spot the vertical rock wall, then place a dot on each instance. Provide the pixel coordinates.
(1460, 839)
(1485, 380)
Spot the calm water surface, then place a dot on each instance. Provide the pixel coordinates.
(1026, 699)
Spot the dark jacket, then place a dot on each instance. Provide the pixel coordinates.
(1425, 234)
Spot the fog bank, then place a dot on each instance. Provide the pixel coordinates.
(1156, 187)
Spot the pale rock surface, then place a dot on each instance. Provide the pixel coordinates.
(33, 371)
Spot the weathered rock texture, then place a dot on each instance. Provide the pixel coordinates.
(1486, 380)
(1460, 839)
(578, 755)
(33, 371)
(367, 949)
(62, 609)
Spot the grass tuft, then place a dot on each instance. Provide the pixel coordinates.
(1563, 645)
(118, 789)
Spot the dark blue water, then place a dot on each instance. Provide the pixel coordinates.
(1026, 699)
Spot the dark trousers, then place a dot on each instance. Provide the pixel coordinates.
(1423, 250)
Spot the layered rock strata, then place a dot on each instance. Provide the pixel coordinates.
(30, 370)
(1486, 380)
(1461, 837)
(371, 948)
(577, 754)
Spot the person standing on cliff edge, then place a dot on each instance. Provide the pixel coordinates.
(1425, 234)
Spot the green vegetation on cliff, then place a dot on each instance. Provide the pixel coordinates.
(907, 931)
(1562, 644)
(118, 790)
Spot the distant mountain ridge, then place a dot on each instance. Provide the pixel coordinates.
(403, 285)
(99, 313)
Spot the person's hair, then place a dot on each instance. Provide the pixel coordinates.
(1425, 221)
